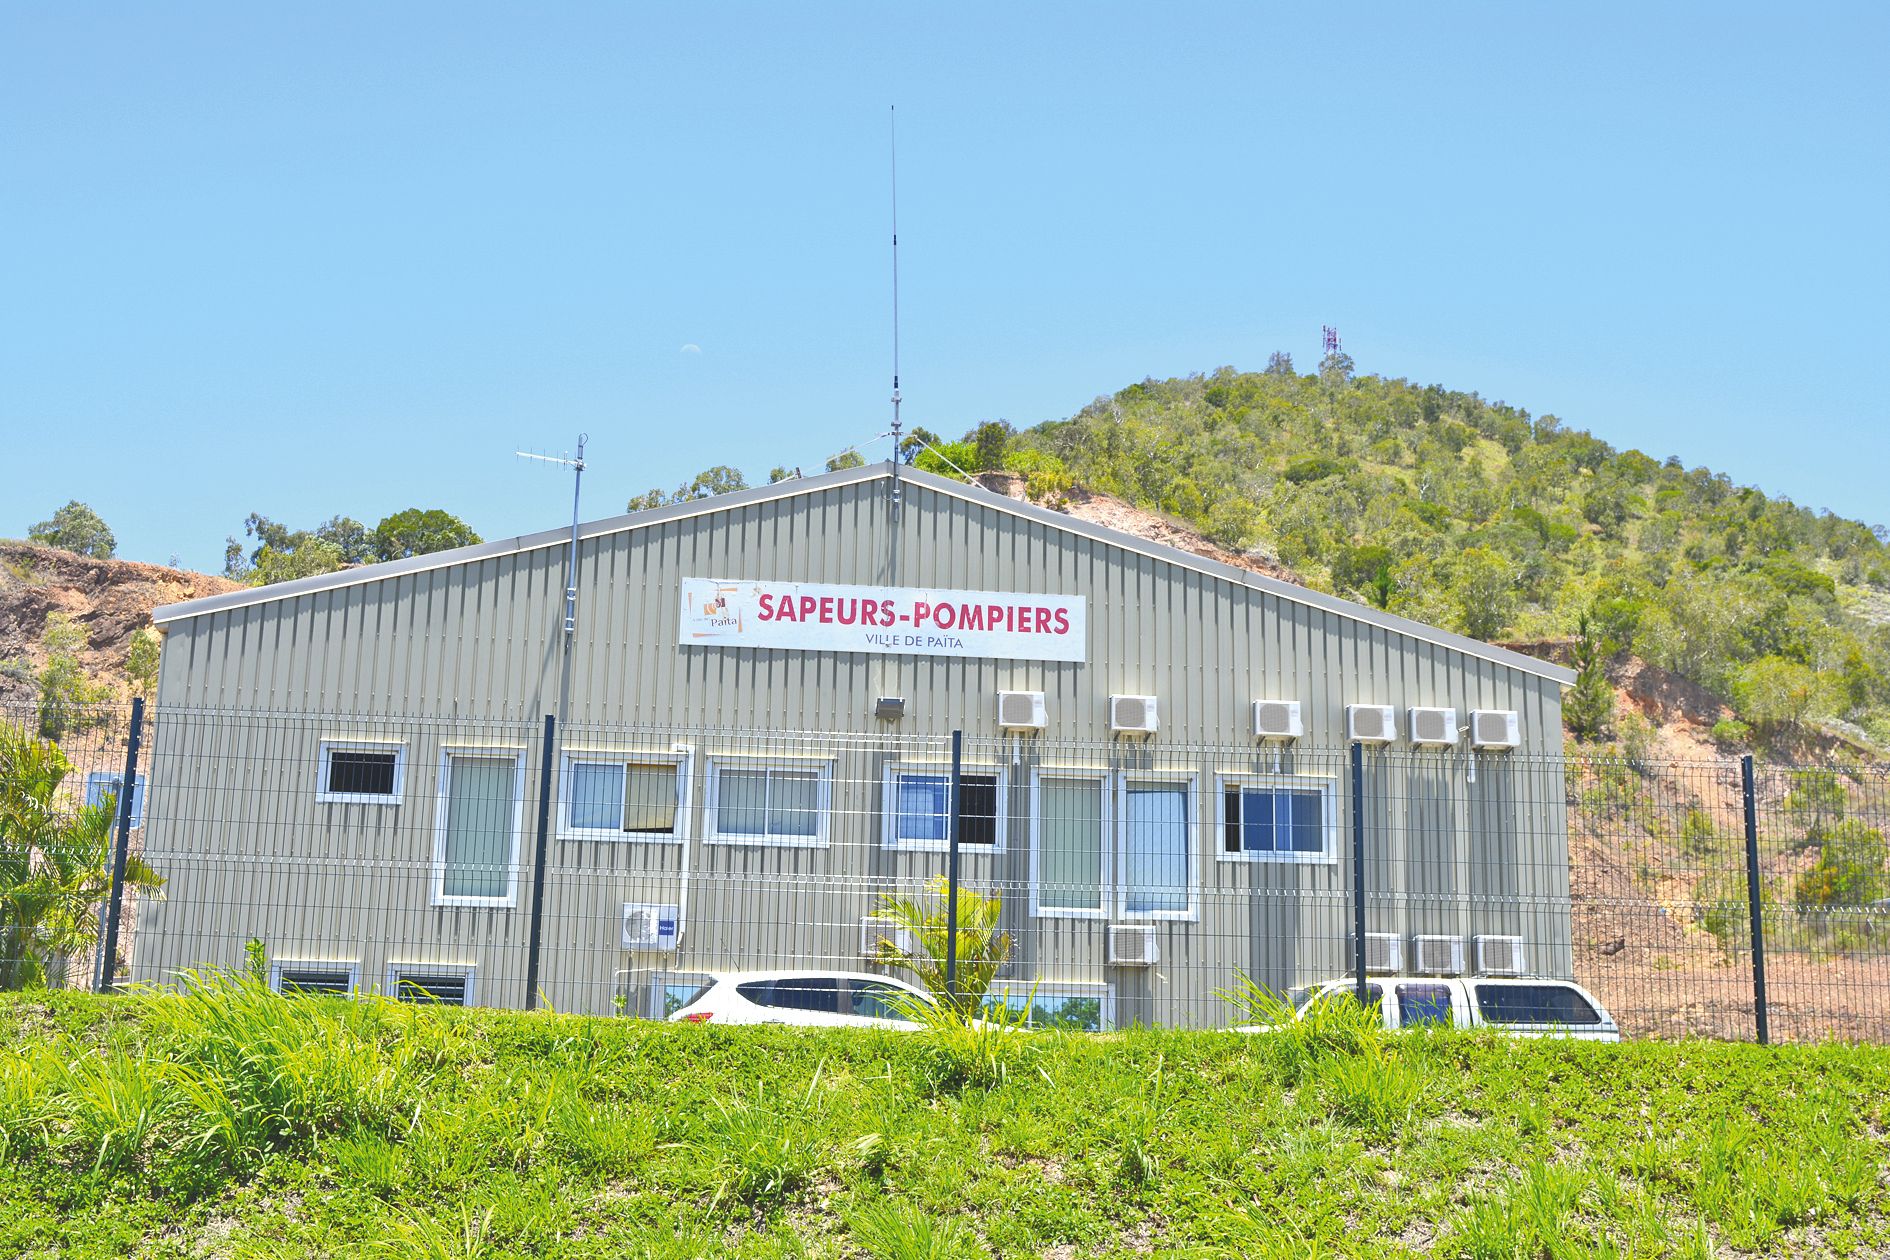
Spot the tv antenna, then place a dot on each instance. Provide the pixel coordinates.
(892, 117)
(1331, 335)
(576, 465)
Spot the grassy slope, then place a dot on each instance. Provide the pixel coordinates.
(236, 1124)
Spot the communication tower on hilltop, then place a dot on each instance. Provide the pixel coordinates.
(1331, 338)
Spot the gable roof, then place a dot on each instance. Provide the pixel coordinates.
(1305, 596)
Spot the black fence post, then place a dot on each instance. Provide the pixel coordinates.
(951, 872)
(1754, 900)
(1358, 869)
(121, 851)
(538, 861)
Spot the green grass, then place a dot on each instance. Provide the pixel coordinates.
(229, 1122)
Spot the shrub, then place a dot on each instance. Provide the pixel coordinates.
(1732, 732)
(1849, 871)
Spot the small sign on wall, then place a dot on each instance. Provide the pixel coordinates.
(894, 620)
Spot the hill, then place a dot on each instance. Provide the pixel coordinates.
(1476, 516)
(92, 608)
(227, 1121)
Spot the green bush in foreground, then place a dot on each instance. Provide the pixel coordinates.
(227, 1121)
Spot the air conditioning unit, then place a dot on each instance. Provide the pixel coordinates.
(1501, 956)
(649, 928)
(1022, 711)
(874, 930)
(1132, 946)
(1277, 719)
(1495, 728)
(1133, 715)
(1384, 953)
(1371, 723)
(1433, 728)
(1437, 955)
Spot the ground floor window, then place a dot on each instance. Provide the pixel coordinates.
(432, 984)
(623, 797)
(1279, 819)
(1070, 825)
(1075, 1006)
(918, 808)
(476, 853)
(780, 803)
(1157, 848)
(1121, 843)
(361, 772)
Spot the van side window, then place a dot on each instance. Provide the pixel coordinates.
(795, 993)
(1348, 994)
(1535, 1004)
(1424, 1004)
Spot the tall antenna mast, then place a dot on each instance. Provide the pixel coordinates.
(892, 115)
(571, 568)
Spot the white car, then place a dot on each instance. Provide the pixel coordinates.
(815, 999)
(1519, 1007)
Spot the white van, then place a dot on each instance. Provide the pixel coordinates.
(1521, 1007)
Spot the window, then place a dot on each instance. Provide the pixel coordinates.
(782, 803)
(873, 1000)
(623, 798)
(103, 783)
(672, 993)
(1535, 1004)
(1279, 820)
(1071, 826)
(1420, 1004)
(313, 979)
(476, 851)
(430, 985)
(360, 772)
(795, 993)
(1078, 1007)
(1157, 829)
(918, 805)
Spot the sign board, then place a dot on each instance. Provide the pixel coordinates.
(895, 620)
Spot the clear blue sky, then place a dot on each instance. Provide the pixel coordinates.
(343, 258)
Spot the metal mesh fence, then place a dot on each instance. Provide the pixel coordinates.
(1127, 882)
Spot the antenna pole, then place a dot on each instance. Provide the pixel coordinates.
(893, 115)
(571, 572)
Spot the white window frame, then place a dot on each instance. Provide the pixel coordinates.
(350, 965)
(106, 778)
(1327, 785)
(823, 802)
(391, 989)
(326, 797)
(1105, 841)
(596, 757)
(495, 751)
(889, 807)
(1190, 783)
(1064, 988)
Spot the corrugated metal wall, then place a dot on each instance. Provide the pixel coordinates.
(473, 653)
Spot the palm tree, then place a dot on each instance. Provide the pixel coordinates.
(55, 863)
(982, 948)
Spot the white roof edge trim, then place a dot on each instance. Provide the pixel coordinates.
(969, 493)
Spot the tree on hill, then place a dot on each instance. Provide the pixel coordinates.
(420, 532)
(76, 528)
(282, 554)
(721, 479)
